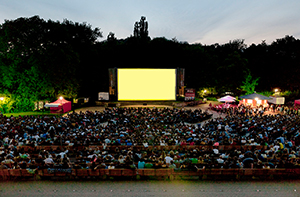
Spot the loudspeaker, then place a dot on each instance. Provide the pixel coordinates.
(144, 103)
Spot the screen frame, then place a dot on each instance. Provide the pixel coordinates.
(176, 81)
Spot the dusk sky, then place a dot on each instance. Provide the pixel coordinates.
(194, 21)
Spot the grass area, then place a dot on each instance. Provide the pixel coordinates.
(31, 113)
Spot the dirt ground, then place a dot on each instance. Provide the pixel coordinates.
(203, 107)
(150, 188)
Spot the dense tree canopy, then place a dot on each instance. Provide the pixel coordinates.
(45, 59)
(41, 59)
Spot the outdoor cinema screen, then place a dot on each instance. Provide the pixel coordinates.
(146, 84)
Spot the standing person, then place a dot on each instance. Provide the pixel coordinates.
(168, 159)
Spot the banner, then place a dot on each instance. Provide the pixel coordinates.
(103, 96)
(190, 94)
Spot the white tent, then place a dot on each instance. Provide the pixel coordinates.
(227, 99)
(277, 100)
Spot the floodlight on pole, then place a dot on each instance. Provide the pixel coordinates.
(276, 90)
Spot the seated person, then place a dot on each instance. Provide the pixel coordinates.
(172, 165)
(111, 166)
(141, 164)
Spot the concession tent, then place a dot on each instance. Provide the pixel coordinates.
(254, 100)
(60, 106)
(227, 99)
(297, 103)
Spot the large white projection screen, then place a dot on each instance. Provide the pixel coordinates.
(146, 84)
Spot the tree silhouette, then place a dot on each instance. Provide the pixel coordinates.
(40, 60)
(141, 28)
(111, 37)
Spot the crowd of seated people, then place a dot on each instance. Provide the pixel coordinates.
(129, 129)
(259, 110)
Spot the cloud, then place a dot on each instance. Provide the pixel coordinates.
(202, 21)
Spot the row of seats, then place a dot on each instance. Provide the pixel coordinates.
(21, 174)
(190, 147)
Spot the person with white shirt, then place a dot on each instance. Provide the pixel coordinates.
(227, 127)
(216, 151)
(219, 126)
(49, 160)
(111, 166)
(168, 159)
(276, 147)
(220, 160)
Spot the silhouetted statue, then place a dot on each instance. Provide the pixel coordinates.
(136, 31)
(111, 36)
(141, 28)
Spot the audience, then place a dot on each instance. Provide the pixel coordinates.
(151, 138)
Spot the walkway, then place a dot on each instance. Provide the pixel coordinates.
(151, 188)
(203, 107)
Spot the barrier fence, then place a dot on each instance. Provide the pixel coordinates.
(166, 174)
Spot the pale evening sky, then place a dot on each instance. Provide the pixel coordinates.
(194, 21)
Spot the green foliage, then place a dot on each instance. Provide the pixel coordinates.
(180, 98)
(41, 59)
(266, 93)
(249, 84)
(291, 95)
(207, 91)
(31, 113)
(232, 67)
(211, 98)
(6, 104)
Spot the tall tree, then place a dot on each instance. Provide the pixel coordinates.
(41, 59)
(249, 84)
(141, 28)
(231, 72)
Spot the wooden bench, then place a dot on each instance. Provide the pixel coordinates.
(82, 172)
(4, 174)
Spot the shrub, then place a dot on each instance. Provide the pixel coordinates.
(211, 98)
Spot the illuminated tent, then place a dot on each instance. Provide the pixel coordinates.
(227, 99)
(60, 106)
(279, 100)
(254, 99)
(297, 103)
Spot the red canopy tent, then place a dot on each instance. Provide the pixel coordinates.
(297, 103)
(60, 106)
